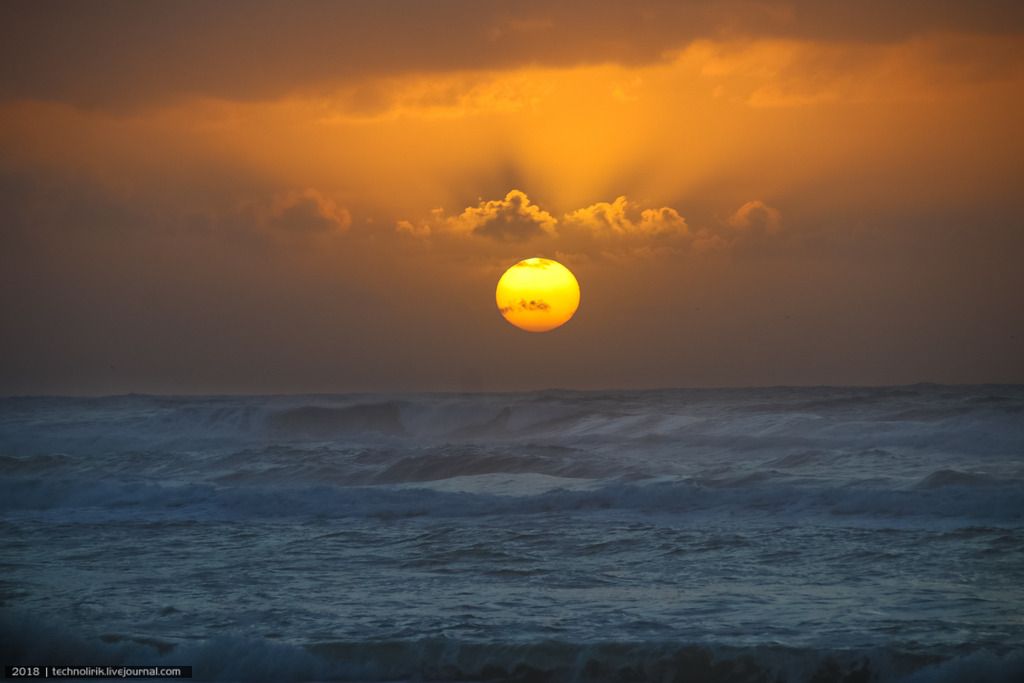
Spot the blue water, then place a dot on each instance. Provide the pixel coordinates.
(798, 534)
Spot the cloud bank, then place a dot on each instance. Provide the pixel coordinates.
(619, 227)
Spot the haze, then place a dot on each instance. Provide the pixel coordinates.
(308, 197)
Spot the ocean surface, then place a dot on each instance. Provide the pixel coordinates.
(784, 534)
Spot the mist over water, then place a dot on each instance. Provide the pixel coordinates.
(787, 533)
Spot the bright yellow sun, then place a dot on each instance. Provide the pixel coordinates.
(538, 294)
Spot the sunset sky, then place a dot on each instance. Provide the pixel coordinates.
(321, 197)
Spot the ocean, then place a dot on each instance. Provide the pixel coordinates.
(781, 534)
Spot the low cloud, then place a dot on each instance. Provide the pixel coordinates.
(512, 219)
(437, 223)
(756, 217)
(308, 211)
(623, 218)
(619, 227)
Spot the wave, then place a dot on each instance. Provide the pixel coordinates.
(954, 478)
(940, 497)
(965, 419)
(25, 640)
(819, 450)
(320, 421)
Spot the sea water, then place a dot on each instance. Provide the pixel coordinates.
(797, 534)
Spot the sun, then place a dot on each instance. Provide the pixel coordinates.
(538, 294)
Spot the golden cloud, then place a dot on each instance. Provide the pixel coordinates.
(512, 219)
(756, 217)
(621, 226)
(622, 218)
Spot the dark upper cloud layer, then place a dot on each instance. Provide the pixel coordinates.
(121, 52)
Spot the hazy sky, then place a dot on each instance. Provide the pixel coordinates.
(268, 197)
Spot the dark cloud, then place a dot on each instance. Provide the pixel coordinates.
(534, 305)
(757, 217)
(512, 219)
(301, 217)
(122, 52)
(524, 305)
(538, 263)
(308, 211)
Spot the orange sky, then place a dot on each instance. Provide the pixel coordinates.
(321, 196)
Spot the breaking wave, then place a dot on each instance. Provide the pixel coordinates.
(925, 416)
(939, 496)
(923, 450)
